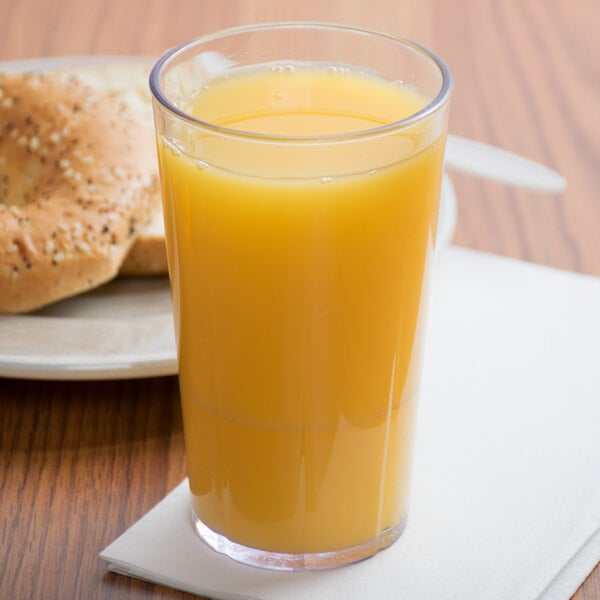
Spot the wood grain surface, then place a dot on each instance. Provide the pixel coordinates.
(82, 461)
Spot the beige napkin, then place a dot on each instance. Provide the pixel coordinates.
(506, 494)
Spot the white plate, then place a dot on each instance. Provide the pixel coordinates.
(121, 330)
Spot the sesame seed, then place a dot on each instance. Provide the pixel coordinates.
(69, 172)
(14, 274)
(54, 137)
(62, 227)
(87, 159)
(58, 256)
(34, 144)
(83, 247)
(13, 133)
(64, 163)
(12, 248)
(7, 103)
(49, 247)
(22, 141)
(16, 211)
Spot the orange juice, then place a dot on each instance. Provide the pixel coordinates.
(299, 275)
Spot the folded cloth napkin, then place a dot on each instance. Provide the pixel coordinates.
(506, 490)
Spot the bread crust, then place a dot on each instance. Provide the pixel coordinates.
(77, 175)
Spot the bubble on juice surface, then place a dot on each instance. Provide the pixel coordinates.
(337, 70)
(326, 180)
(201, 165)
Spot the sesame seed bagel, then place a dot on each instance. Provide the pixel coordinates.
(76, 176)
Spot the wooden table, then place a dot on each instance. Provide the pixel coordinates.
(81, 462)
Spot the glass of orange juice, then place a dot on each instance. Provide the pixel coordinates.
(301, 167)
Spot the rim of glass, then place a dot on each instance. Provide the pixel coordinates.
(164, 61)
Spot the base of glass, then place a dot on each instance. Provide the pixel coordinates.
(281, 561)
